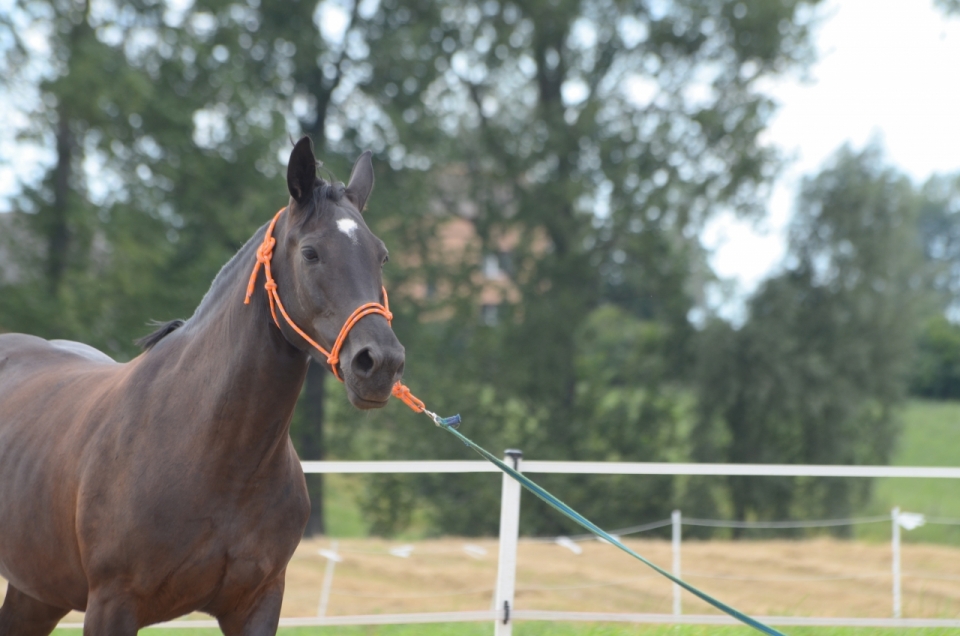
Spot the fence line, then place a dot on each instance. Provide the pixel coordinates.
(632, 468)
(774, 525)
(593, 617)
(646, 527)
(504, 614)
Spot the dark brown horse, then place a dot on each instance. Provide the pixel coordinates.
(140, 492)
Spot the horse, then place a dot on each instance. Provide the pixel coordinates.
(141, 491)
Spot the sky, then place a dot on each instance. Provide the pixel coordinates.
(886, 70)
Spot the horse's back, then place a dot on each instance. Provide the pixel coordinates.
(48, 390)
(82, 350)
(28, 359)
(23, 349)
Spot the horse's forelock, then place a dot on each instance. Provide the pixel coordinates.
(330, 191)
(324, 192)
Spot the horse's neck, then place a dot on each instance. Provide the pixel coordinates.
(251, 375)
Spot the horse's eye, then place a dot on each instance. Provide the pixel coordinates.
(386, 259)
(310, 254)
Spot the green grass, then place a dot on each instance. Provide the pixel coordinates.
(341, 510)
(553, 629)
(931, 437)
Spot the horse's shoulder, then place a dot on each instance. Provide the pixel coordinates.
(18, 344)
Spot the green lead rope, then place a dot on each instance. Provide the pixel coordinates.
(451, 423)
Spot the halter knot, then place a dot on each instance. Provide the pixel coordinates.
(402, 393)
(265, 251)
(264, 256)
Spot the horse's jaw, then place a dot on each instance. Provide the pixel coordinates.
(364, 403)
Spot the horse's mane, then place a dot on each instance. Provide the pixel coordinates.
(166, 328)
(323, 191)
(328, 190)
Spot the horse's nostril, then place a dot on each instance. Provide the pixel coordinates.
(363, 362)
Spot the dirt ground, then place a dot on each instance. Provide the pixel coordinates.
(821, 577)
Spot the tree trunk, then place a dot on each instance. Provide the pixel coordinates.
(58, 232)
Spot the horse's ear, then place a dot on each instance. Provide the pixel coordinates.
(302, 171)
(361, 181)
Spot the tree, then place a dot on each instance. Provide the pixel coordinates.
(138, 209)
(936, 372)
(939, 226)
(949, 6)
(595, 138)
(591, 138)
(819, 369)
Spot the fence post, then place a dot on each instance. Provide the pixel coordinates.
(332, 558)
(895, 549)
(675, 519)
(507, 561)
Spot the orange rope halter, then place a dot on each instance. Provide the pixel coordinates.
(264, 256)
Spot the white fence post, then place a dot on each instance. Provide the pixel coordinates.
(675, 519)
(509, 532)
(332, 559)
(895, 549)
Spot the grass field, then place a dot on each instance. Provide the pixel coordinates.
(554, 629)
(931, 437)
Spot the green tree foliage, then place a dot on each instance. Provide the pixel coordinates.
(143, 201)
(936, 372)
(596, 137)
(817, 372)
(949, 6)
(583, 143)
(939, 225)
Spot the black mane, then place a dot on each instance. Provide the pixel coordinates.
(166, 328)
(323, 192)
(327, 190)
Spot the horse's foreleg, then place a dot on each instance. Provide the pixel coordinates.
(109, 614)
(23, 615)
(260, 618)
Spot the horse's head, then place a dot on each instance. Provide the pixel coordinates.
(328, 263)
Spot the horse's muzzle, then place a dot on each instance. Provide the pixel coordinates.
(370, 372)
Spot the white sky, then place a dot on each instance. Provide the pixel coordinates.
(886, 69)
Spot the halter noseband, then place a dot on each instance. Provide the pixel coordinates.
(264, 256)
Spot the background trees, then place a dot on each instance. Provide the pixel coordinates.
(597, 138)
(582, 145)
(818, 369)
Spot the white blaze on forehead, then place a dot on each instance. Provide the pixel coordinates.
(348, 227)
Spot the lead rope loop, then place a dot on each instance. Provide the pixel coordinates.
(264, 257)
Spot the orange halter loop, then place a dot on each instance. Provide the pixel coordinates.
(264, 256)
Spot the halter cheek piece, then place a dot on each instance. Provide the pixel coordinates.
(264, 256)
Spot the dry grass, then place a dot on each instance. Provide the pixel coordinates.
(821, 577)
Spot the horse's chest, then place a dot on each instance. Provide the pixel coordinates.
(256, 552)
(184, 554)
